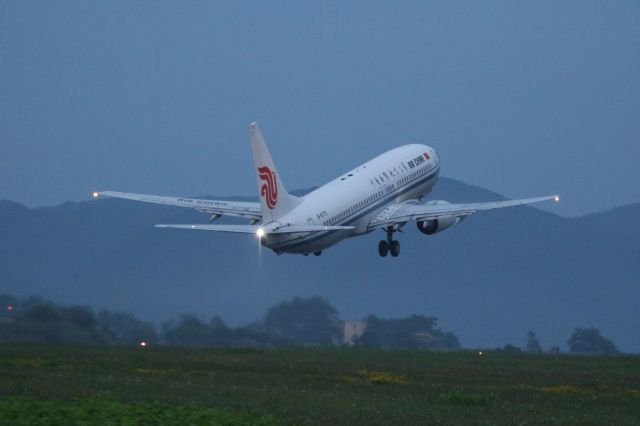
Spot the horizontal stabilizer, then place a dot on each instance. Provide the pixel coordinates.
(253, 229)
(308, 228)
(239, 229)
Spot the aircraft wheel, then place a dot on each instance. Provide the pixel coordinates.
(317, 253)
(395, 248)
(383, 248)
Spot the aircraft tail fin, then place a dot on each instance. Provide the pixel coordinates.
(275, 201)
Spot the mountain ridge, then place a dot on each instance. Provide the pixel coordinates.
(489, 279)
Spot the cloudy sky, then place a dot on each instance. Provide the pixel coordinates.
(524, 98)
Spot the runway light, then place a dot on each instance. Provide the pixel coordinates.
(96, 194)
(260, 233)
(143, 344)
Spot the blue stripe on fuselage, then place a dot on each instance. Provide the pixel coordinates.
(360, 213)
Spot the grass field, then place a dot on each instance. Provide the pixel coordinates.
(122, 385)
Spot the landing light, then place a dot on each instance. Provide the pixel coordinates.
(260, 232)
(557, 199)
(96, 194)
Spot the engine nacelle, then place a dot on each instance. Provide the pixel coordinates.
(433, 226)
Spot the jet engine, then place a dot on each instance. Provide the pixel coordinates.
(433, 226)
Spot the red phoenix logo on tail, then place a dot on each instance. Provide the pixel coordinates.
(269, 189)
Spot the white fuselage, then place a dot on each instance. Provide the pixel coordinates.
(357, 197)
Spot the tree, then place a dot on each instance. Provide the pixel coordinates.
(217, 322)
(373, 336)
(533, 345)
(44, 313)
(449, 341)
(193, 332)
(43, 321)
(510, 349)
(415, 332)
(80, 316)
(125, 329)
(589, 340)
(311, 321)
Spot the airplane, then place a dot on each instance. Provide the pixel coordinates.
(384, 193)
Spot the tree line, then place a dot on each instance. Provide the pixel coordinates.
(298, 322)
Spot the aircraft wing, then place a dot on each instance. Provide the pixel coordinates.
(255, 229)
(396, 214)
(250, 210)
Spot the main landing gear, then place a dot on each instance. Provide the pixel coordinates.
(389, 245)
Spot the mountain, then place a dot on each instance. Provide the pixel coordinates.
(490, 279)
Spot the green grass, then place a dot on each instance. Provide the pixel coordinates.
(42, 384)
(102, 411)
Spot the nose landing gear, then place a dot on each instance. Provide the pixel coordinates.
(389, 245)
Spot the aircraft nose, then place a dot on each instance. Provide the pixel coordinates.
(432, 153)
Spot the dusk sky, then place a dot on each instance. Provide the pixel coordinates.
(523, 98)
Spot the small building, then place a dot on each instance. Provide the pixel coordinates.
(353, 329)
